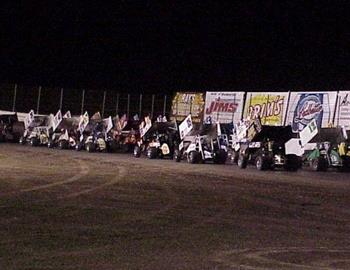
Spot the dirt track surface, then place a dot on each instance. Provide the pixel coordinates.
(75, 210)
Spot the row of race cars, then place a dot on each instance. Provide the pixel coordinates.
(244, 143)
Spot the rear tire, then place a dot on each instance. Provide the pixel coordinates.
(261, 163)
(63, 144)
(152, 152)
(22, 140)
(292, 163)
(90, 147)
(319, 164)
(34, 141)
(177, 155)
(220, 157)
(137, 151)
(242, 161)
(193, 157)
(50, 143)
(234, 157)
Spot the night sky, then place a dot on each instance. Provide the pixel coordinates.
(165, 47)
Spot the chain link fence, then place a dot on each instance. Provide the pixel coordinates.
(44, 100)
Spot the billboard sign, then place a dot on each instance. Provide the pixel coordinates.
(223, 107)
(269, 106)
(185, 103)
(307, 106)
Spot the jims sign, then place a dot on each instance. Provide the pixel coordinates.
(223, 107)
(270, 107)
(308, 106)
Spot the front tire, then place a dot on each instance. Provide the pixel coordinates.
(90, 147)
(152, 152)
(193, 157)
(34, 141)
(261, 163)
(177, 155)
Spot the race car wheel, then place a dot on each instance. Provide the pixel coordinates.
(63, 144)
(137, 151)
(242, 161)
(177, 155)
(220, 157)
(50, 144)
(90, 147)
(34, 141)
(319, 164)
(152, 152)
(261, 163)
(193, 157)
(78, 146)
(234, 157)
(292, 163)
(22, 140)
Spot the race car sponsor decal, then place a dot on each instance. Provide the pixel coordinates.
(185, 127)
(269, 106)
(185, 103)
(223, 107)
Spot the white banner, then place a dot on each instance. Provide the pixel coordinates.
(185, 127)
(57, 120)
(223, 107)
(342, 114)
(306, 106)
(269, 106)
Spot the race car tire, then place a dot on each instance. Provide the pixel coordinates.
(152, 152)
(292, 163)
(262, 163)
(319, 164)
(50, 143)
(242, 161)
(90, 147)
(22, 140)
(34, 141)
(137, 151)
(63, 144)
(220, 157)
(193, 157)
(177, 155)
(234, 157)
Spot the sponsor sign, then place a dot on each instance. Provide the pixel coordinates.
(223, 107)
(307, 106)
(270, 107)
(342, 117)
(185, 127)
(29, 119)
(84, 121)
(56, 120)
(185, 103)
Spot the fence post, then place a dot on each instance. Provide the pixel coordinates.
(14, 98)
(117, 105)
(128, 107)
(38, 101)
(82, 102)
(103, 103)
(164, 105)
(61, 99)
(140, 105)
(152, 108)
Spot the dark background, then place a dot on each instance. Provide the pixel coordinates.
(160, 48)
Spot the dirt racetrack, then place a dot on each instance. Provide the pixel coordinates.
(75, 210)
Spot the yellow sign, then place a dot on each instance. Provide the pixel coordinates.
(185, 103)
(270, 107)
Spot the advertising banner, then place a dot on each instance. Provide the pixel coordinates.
(185, 127)
(223, 107)
(269, 106)
(185, 103)
(342, 117)
(306, 106)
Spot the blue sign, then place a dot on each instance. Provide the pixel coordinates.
(309, 107)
